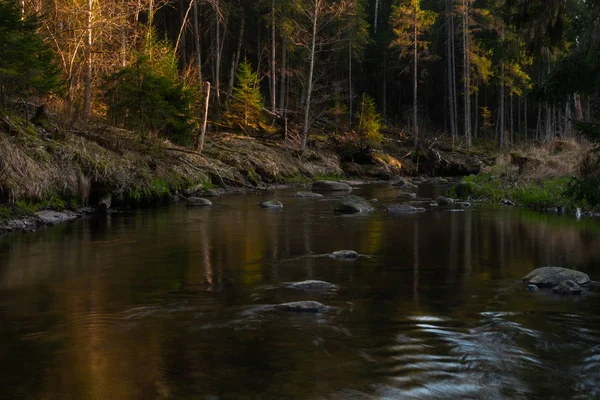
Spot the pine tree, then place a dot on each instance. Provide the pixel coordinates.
(26, 63)
(369, 121)
(247, 104)
(410, 22)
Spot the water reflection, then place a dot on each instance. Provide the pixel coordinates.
(176, 303)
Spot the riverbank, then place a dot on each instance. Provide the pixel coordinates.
(48, 165)
(533, 177)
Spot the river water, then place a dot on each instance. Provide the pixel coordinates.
(174, 303)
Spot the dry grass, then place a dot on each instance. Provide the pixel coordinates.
(559, 158)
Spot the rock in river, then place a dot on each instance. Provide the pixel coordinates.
(331, 186)
(407, 195)
(344, 254)
(567, 287)
(308, 195)
(444, 201)
(302, 306)
(552, 276)
(353, 204)
(198, 202)
(271, 204)
(403, 209)
(312, 285)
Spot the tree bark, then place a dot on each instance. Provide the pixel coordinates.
(415, 79)
(449, 52)
(310, 73)
(350, 94)
(501, 110)
(87, 102)
(236, 57)
(273, 54)
(198, 40)
(217, 52)
(467, 67)
(283, 84)
(200, 139)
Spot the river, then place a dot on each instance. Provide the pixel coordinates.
(174, 303)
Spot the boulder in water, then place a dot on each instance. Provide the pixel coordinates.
(331, 186)
(302, 306)
(344, 254)
(406, 195)
(444, 201)
(464, 204)
(567, 287)
(198, 202)
(271, 204)
(307, 195)
(312, 285)
(404, 209)
(552, 276)
(507, 202)
(532, 288)
(353, 204)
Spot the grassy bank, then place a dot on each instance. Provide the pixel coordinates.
(533, 177)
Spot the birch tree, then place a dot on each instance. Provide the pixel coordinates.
(410, 23)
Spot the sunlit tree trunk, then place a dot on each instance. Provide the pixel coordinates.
(449, 55)
(273, 54)
(197, 39)
(87, 102)
(467, 68)
(309, 88)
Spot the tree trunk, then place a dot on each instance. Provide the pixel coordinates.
(273, 54)
(525, 117)
(198, 40)
(449, 52)
(376, 16)
(454, 89)
(476, 115)
(467, 67)
(87, 104)
(200, 139)
(350, 110)
(236, 57)
(217, 52)
(310, 73)
(415, 79)
(512, 131)
(183, 17)
(283, 84)
(501, 110)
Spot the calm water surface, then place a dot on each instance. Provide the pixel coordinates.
(174, 304)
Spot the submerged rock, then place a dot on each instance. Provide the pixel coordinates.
(198, 202)
(507, 202)
(567, 287)
(552, 276)
(444, 201)
(404, 209)
(308, 195)
(271, 204)
(303, 306)
(353, 204)
(464, 204)
(49, 217)
(404, 184)
(532, 288)
(331, 186)
(312, 285)
(344, 254)
(406, 195)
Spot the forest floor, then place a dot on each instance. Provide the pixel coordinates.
(50, 166)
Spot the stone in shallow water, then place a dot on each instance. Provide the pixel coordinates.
(303, 306)
(345, 254)
(331, 186)
(406, 195)
(567, 287)
(403, 209)
(552, 276)
(464, 204)
(444, 201)
(308, 195)
(271, 204)
(532, 288)
(312, 285)
(353, 204)
(198, 202)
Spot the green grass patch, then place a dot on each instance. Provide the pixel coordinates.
(532, 195)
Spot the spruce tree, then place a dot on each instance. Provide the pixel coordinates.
(26, 62)
(247, 104)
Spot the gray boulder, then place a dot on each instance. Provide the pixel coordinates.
(331, 186)
(404, 184)
(567, 287)
(211, 193)
(344, 254)
(271, 204)
(194, 191)
(532, 288)
(444, 201)
(404, 209)
(303, 306)
(312, 285)
(198, 202)
(406, 195)
(353, 204)
(464, 204)
(307, 195)
(552, 276)
(49, 217)
(438, 181)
